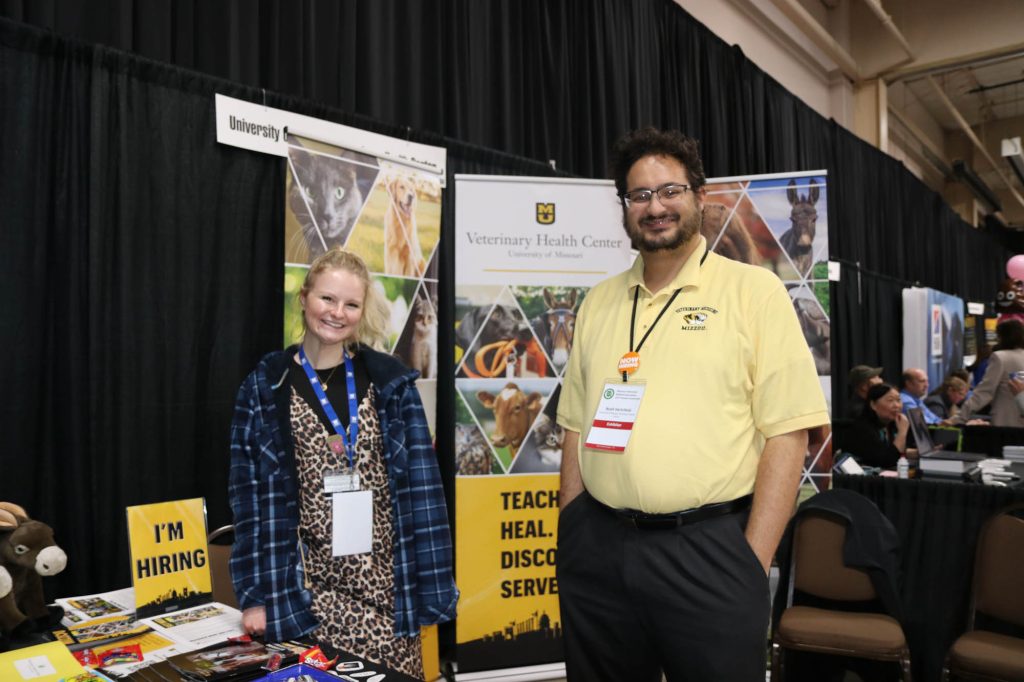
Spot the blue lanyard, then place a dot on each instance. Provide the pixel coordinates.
(347, 441)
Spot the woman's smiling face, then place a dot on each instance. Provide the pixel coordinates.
(333, 306)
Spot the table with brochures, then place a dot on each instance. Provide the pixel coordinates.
(204, 643)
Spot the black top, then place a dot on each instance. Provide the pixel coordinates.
(872, 543)
(336, 391)
(870, 441)
(939, 404)
(855, 407)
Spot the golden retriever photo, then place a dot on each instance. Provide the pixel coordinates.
(402, 252)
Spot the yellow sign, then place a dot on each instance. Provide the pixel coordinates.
(169, 557)
(431, 653)
(505, 570)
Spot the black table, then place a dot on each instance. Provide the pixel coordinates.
(990, 439)
(938, 524)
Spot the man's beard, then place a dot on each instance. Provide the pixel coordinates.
(668, 241)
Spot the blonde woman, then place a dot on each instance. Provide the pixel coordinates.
(946, 401)
(341, 532)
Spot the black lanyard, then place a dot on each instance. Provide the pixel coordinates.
(632, 319)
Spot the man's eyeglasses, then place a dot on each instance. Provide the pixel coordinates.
(665, 193)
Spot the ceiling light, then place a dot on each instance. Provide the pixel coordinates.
(1012, 153)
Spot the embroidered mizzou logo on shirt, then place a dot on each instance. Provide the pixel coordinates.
(695, 318)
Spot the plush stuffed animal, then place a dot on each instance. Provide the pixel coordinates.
(27, 552)
(1010, 300)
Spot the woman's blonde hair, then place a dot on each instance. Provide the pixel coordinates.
(372, 328)
(954, 382)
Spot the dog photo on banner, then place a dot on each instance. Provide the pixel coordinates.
(388, 214)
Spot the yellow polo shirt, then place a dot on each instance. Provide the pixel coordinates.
(725, 368)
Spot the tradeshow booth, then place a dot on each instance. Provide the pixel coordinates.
(159, 224)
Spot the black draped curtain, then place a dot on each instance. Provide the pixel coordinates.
(144, 278)
(143, 260)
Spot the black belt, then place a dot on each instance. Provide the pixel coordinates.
(645, 521)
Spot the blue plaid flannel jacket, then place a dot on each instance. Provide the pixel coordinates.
(262, 486)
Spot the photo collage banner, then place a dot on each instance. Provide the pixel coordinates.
(388, 214)
(521, 273)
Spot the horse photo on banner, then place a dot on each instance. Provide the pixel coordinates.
(780, 222)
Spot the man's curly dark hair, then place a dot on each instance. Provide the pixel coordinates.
(650, 141)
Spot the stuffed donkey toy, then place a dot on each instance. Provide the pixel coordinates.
(27, 552)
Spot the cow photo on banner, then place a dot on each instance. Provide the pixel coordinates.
(388, 214)
(527, 251)
(780, 222)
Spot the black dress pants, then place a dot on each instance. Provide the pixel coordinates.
(692, 602)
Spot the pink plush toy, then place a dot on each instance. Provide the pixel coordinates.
(27, 552)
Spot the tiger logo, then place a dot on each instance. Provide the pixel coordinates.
(695, 319)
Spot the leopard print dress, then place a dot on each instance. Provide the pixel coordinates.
(353, 596)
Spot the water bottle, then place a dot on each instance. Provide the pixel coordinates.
(903, 467)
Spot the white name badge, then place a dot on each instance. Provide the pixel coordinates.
(352, 523)
(335, 482)
(615, 416)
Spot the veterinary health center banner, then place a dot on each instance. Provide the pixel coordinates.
(527, 252)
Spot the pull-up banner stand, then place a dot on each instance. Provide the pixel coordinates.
(374, 195)
(527, 252)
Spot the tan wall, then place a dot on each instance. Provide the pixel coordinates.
(772, 42)
(769, 40)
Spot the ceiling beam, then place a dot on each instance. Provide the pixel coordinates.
(938, 66)
(918, 134)
(965, 126)
(795, 12)
(887, 22)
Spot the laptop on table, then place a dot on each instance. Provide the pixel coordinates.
(935, 460)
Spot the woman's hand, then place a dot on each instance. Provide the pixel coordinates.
(902, 424)
(1016, 386)
(254, 620)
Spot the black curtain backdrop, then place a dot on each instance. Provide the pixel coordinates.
(144, 260)
(145, 269)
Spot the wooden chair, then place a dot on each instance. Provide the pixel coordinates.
(219, 545)
(998, 592)
(817, 569)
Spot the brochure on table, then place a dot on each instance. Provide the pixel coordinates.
(41, 663)
(178, 632)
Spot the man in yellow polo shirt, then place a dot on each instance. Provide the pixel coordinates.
(686, 404)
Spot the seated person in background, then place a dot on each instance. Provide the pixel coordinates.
(860, 380)
(966, 376)
(913, 389)
(879, 435)
(1006, 359)
(945, 402)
